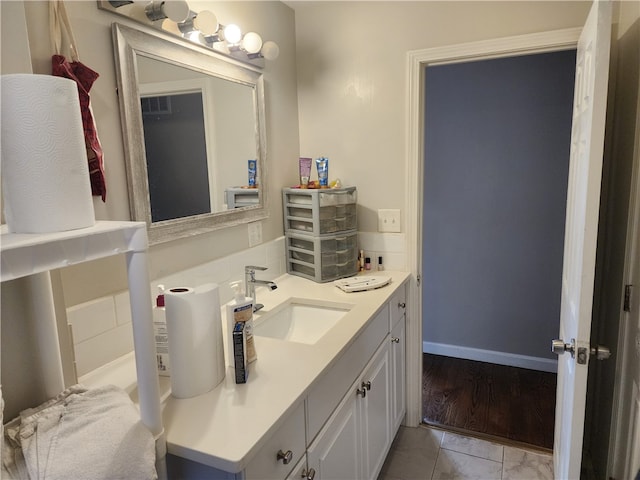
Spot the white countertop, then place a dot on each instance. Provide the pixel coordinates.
(225, 427)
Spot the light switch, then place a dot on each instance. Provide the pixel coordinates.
(389, 220)
(255, 234)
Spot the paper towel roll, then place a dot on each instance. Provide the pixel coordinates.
(45, 175)
(194, 328)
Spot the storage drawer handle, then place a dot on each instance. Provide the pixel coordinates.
(285, 456)
(395, 339)
(309, 474)
(402, 304)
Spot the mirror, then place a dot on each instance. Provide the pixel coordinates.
(192, 123)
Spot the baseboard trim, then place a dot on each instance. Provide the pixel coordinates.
(491, 356)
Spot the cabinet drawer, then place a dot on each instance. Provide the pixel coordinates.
(327, 392)
(289, 437)
(397, 306)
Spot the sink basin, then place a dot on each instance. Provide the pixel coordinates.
(299, 320)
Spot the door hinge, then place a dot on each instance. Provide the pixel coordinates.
(418, 279)
(627, 298)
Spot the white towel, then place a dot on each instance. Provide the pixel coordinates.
(93, 434)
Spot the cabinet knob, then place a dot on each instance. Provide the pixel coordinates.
(363, 392)
(285, 456)
(366, 385)
(395, 339)
(309, 474)
(401, 305)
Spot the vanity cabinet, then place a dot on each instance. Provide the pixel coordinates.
(354, 441)
(343, 426)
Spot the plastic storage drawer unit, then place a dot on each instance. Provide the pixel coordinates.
(322, 259)
(319, 212)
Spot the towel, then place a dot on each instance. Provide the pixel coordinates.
(81, 433)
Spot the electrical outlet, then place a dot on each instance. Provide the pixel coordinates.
(255, 234)
(389, 220)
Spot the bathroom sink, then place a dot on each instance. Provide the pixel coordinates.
(299, 320)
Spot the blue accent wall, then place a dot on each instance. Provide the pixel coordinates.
(497, 140)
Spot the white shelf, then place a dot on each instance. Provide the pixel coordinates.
(26, 254)
(23, 255)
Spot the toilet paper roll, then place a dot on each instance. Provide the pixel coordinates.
(194, 329)
(45, 175)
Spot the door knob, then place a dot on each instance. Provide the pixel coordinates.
(559, 347)
(600, 352)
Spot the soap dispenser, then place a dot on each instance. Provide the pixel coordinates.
(160, 333)
(240, 310)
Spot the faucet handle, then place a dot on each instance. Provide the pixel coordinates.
(249, 268)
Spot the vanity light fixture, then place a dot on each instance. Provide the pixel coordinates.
(177, 18)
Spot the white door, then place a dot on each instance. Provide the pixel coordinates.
(581, 231)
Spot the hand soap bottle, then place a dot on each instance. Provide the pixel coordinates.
(160, 333)
(240, 309)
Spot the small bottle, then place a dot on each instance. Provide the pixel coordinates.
(367, 263)
(380, 266)
(160, 333)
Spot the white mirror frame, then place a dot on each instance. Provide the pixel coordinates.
(128, 44)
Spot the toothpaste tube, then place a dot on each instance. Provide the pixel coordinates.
(305, 171)
(253, 170)
(322, 165)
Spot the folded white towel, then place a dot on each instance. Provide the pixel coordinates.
(93, 434)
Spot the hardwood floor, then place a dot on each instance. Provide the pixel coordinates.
(491, 401)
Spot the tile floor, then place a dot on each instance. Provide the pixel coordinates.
(430, 454)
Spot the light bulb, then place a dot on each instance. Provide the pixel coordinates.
(178, 11)
(207, 22)
(251, 42)
(232, 34)
(270, 50)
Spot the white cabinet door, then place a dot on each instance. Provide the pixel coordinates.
(375, 412)
(398, 377)
(335, 453)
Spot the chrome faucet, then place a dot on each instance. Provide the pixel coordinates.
(250, 283)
